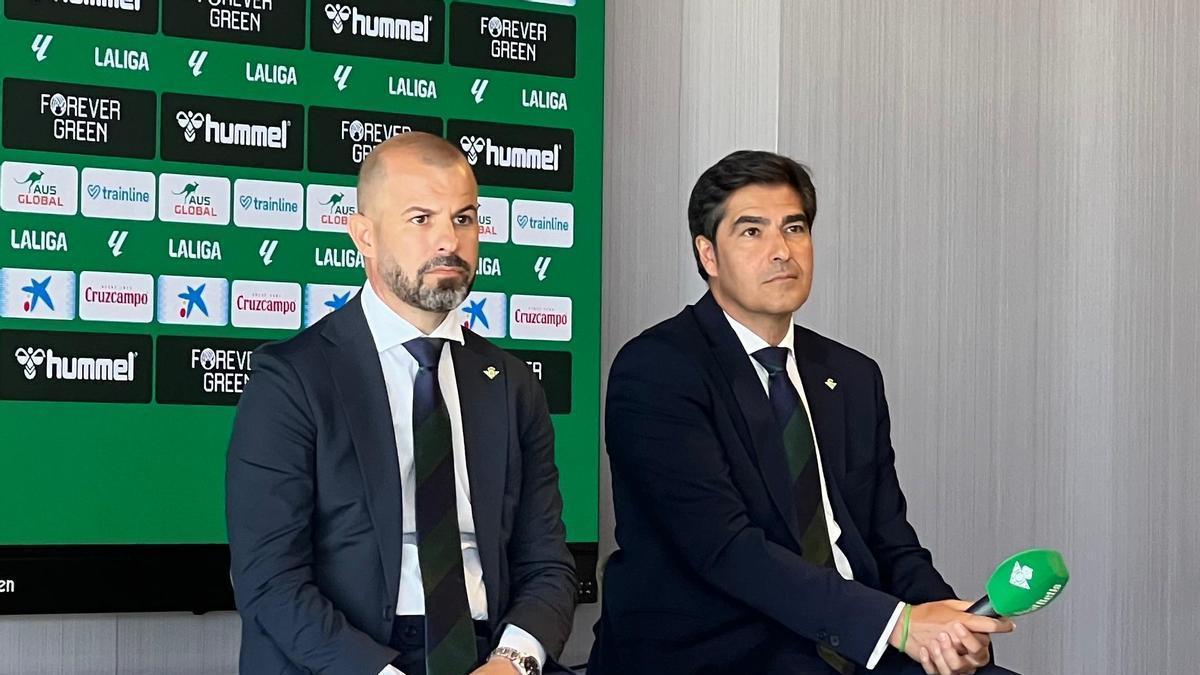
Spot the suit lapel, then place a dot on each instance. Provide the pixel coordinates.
(483, 401)
(827, 406)
(828, 411)
(358, 376)
(761, 432)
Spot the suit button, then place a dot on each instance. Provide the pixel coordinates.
(821, 635)
(410, 632)
(834, 641)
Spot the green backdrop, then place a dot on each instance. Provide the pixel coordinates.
(96, 460)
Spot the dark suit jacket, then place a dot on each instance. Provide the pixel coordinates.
(314, 510)
(709, 578)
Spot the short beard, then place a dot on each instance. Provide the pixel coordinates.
(447, 295)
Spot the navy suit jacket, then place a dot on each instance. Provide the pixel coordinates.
(314, 509)
(709, 577)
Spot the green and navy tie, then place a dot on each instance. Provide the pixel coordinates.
(449, 631)
(801, 450)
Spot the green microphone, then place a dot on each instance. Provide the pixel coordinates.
(1024, 583)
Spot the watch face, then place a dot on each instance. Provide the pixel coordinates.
(531, 665)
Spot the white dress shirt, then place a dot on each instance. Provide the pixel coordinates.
(390, 331)
(752, 343)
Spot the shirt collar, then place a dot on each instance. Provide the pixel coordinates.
(389, 329)
(751, 342)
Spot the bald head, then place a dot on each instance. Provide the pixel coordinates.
(401, 153)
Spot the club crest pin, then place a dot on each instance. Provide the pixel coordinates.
(831, 384)
(491, 372)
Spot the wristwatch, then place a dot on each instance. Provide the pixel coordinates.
(524, 662)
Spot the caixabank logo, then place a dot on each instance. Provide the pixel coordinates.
(514, 155)
(136, 16)
(321, 300)
(227, 131)
(37, 294)
(78, 119)
(270, 23)
(518, 40)
(339, 140)
(61, 366)
(409, 31)
(202, 371)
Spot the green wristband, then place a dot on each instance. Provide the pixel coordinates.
(904, 630)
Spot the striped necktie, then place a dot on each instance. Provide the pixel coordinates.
(801, 450)
(449, 631)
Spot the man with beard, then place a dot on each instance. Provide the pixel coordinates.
(392, 498)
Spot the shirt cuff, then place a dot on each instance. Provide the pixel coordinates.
(881, 646)
(391, 670)
(516, 638)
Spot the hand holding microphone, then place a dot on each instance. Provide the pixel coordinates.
(946, 641)
(944, 638)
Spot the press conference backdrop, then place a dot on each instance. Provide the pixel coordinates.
(175, 187)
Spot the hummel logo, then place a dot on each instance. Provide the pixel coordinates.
(196, 61)
(338, 14)
(1021, 574)
(30, 359)
(478, 88)
(472, 145)
(340, 75)
(40, 44)
(267, 250)
(116, 240)
(190, 122)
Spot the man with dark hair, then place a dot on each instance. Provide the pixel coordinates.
(392, 497)
(760, 522)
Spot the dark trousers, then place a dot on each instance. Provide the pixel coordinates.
(408, 638)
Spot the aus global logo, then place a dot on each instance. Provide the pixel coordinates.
(186, 198)
(329, 207)
(39, 188)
